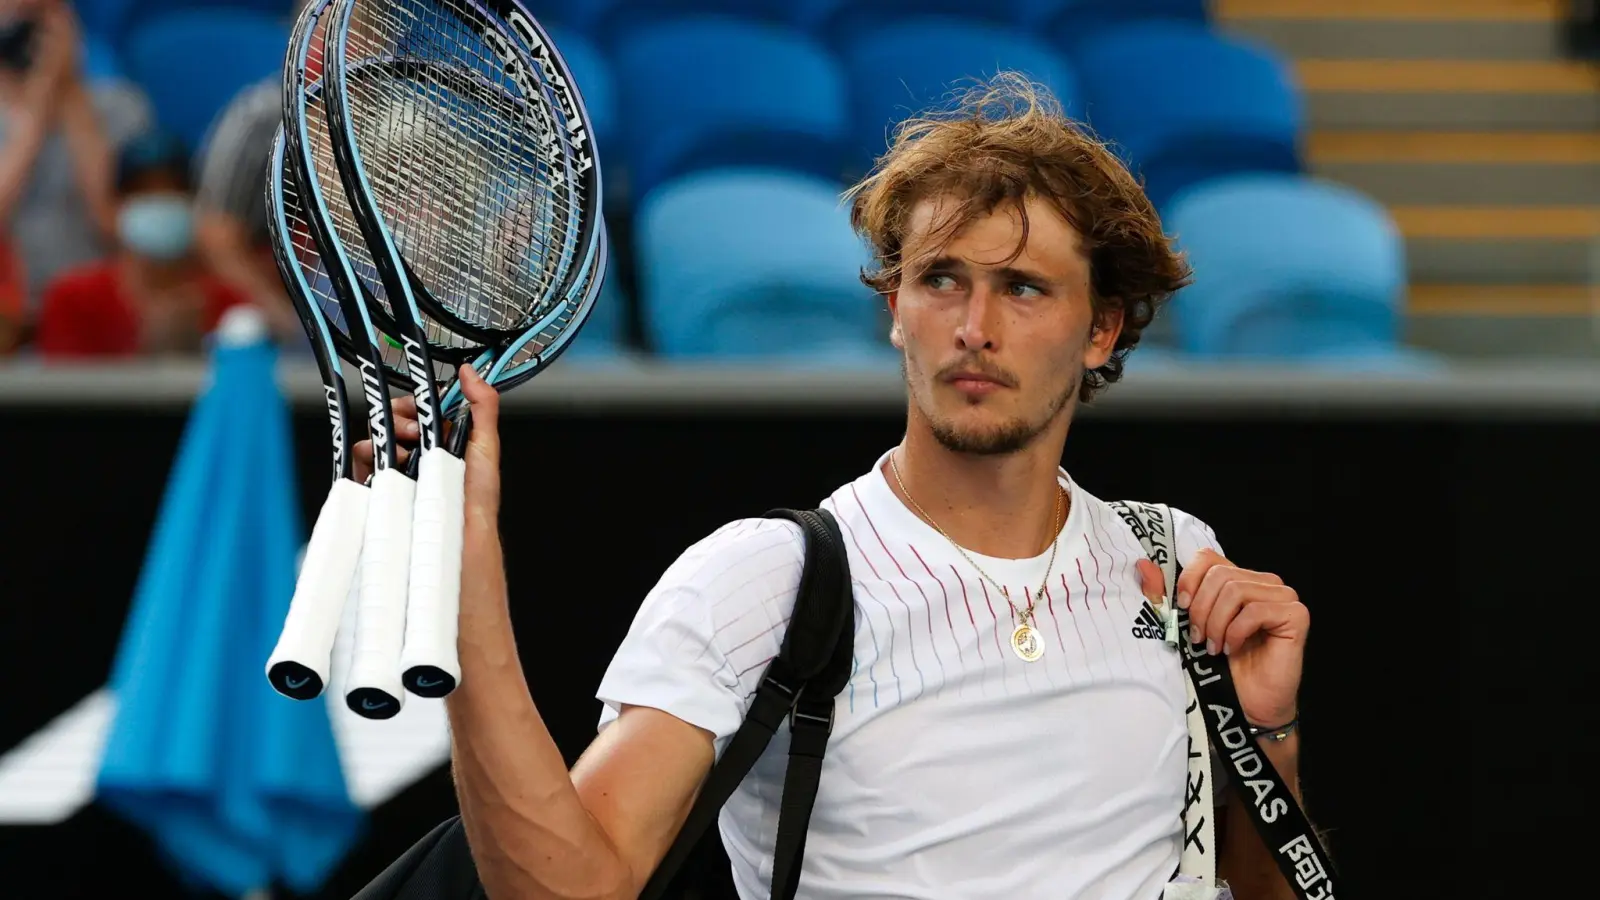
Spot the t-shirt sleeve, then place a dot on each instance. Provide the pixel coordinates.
(1191, 535)
(705, 633)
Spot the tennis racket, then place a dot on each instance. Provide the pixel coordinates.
(351, 292)
(299, 665)
(465, 151)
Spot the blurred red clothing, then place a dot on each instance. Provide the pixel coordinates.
(11, 282)
(85, 312)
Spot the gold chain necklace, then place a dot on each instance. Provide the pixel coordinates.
(1025, 638)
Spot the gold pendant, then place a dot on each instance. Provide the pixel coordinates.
(1027, 644)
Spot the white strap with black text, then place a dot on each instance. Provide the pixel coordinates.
(1216, 721)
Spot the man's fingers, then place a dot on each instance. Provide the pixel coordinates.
(1194, 573)
(1151, 582)
(1235, 595)
(1210, 584)
(1284, 619)
(483, 450)
(485, 404)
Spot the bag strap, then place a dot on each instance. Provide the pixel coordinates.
(812, 666)
(1277, 816)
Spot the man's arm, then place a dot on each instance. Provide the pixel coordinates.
(536, 830)
(1244, 860)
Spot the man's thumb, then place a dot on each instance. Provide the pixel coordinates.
(484, 402)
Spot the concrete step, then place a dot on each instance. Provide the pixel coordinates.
(1530, 321)
(1450, 94)
(1489, 169)
(1510, 301)
(1498, 337)
(1501, 245)
(1402, 29)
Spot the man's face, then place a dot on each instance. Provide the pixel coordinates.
(995, 347)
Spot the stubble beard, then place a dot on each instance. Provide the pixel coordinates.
(1010, 436)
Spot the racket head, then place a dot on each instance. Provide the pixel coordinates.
(490, 200)
(532, 351)
(328, 344)
(311, 152)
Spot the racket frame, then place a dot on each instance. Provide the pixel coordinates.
(300, 665)
(524, 47)
(367, 351)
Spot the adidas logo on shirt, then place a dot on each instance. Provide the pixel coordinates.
(1148, 624)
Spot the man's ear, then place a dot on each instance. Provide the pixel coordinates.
(1103, 336)
(895, 336)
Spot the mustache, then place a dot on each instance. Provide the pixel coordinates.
(971, 364)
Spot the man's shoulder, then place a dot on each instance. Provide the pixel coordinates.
(747, 560)
(1190, 533)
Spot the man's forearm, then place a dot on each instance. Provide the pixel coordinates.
(530, 833)
(1244, 860)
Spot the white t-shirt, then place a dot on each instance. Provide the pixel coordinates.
(955, 769)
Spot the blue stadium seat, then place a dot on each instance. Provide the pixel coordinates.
(609, 20)
(100, 60)
(908, 66)
(1072, 24)
(842, 20)
(192, 63)
(1289, 267)
(1183, 104)
(755, 263)
(705, 92)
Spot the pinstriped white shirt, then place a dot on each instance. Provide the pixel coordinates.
(955, 769)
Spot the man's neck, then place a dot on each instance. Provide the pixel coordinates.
(1003, 506)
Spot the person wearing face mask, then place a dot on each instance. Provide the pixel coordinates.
(155, 295)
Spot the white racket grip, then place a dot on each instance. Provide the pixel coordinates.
(433, 609)
(381, 609)
(327, 571)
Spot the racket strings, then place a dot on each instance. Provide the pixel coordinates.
(315, 275)
(466, 161)
(342, 217)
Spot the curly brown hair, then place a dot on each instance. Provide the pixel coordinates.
(1007, 139)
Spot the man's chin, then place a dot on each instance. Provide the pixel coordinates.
(996, 436)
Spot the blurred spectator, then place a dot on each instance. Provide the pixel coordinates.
(57, 135)
(231, 204)
(13, 311)
(155, 296)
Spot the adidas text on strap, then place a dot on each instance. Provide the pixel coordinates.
(1276, 814)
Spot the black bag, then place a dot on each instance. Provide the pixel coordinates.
(812, 667)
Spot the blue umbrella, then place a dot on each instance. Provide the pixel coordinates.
(238, 788)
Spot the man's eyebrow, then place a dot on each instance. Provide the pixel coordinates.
(1016, 273)
(943, 263)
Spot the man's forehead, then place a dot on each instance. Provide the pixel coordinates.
(991, 238)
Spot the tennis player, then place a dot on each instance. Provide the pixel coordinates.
(1021, 262)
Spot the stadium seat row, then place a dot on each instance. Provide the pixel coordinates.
(1065, 22)
(1180, 101)
(743, 263)
(727, 139)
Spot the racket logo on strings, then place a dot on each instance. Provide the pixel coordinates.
(540, 51)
